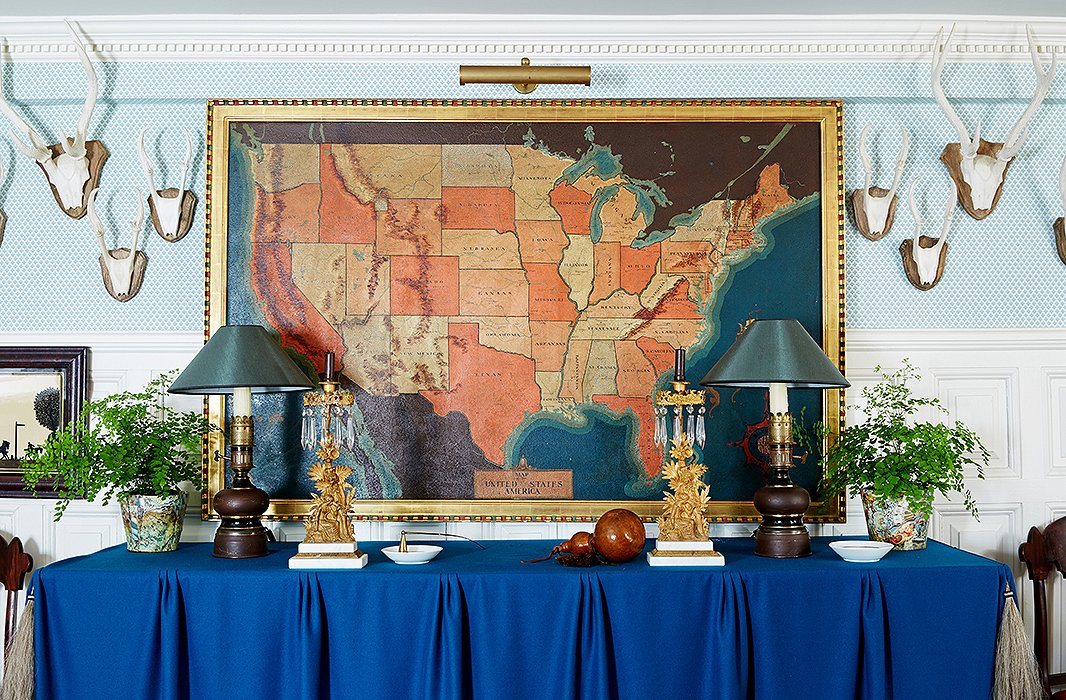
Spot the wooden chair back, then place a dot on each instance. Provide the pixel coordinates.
(14, 565)
(1044, 552)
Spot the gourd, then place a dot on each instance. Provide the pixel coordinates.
(618, 537)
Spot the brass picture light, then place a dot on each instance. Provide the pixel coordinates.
(525, 78)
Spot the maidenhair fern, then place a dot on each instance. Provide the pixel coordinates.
(129, 442)
(894, 455)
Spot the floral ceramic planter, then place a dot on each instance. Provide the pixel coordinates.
(153, 523)
(893, 520)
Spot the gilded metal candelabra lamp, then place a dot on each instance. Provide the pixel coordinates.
(683, 538)
(330, 540)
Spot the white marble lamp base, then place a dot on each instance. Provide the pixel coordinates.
(328, 555)
(685, 553)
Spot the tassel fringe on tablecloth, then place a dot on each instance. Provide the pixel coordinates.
(19, 667)
(1017, 676)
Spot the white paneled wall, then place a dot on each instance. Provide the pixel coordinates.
(1008, 385)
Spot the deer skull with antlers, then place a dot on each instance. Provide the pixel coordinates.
(924, 257)
(875, 207)
(172, 209)
(72, 166)
(979, 167)
(122, 268)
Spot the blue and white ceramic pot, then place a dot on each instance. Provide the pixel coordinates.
(153, 523)
(894, 520)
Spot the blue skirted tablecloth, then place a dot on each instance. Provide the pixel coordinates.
(478, 624)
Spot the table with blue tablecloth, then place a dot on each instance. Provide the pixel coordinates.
(477, 623)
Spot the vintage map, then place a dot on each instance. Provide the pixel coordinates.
(505, 301)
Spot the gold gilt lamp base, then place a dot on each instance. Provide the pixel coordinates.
(330, 541)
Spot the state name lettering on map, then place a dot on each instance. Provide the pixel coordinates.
(510, 284)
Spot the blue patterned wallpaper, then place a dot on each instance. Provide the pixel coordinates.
(1002, 272)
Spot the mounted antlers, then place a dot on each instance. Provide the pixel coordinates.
(1060, 223)
(72, 166)
(172, 209)
(924, 257)
(875, 207)
(122, 268)
(979, 167)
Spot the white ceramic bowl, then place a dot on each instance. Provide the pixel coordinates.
(860, 550)
(415, 554)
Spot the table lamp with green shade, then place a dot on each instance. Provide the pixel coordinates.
(778, 353)
(241, 361)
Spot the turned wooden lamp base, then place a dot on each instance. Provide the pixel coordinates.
(781, 503)
(241, 534)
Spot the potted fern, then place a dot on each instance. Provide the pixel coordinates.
(132, 447)
(898, 463)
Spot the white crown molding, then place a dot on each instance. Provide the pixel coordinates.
(118, 343)
(948, 340)
(503, 39)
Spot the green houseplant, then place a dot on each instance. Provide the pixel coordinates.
(898, 463)
(132, 447)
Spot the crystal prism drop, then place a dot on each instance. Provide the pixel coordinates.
(690, 422)
(701, 427)
(349, 425)
(305, 437)
(338, 425)
(312, 428)
(677, 422)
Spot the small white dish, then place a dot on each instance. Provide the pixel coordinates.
(860, 550)
(415, 554)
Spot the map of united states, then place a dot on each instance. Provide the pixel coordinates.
(500, 281)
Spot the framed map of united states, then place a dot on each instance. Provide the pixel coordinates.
(504, 285)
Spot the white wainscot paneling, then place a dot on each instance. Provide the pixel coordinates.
(512, 530)
(987, 402)
(1056, 610)
(737, 530)
(1055, 383)
(390, 531)
(996, 535)
(87, 528)
(105, 382)
(861, 378)
(30, 519)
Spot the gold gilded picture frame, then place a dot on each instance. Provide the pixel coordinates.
(725, 210)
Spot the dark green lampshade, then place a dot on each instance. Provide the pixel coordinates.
(241, 356)
(775, 350)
